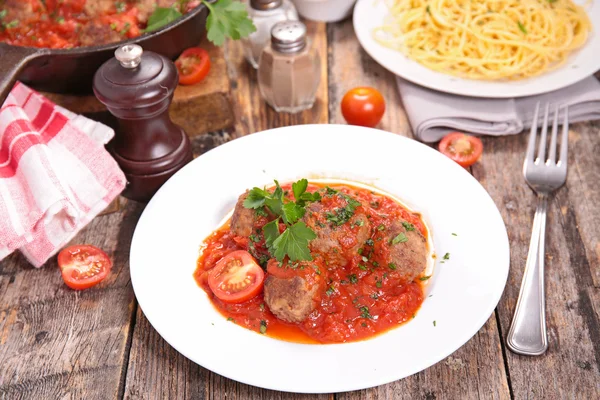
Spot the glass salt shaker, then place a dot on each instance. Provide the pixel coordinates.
(265, 14)
(289, 69)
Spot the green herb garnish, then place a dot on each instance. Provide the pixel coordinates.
(364, 312)
(343, 214)
(392, 266)
(522, 27)
(400, 238)
(293, 242)
(434, 323)
(381, 227)
(369, 242)
(330, 290)
(262, 306)
(424, 278)
(378, 284)
(446, 256)
(362, 267)
(263, 326)
(353, 279)
(454, 234)
(227, 19)
(408, 226)
(229, 319)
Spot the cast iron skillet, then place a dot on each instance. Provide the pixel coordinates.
(72, 70)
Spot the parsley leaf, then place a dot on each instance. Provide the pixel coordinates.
(343, 214)
(447, 256)
(364, 312)
(256, 198)
(227, 18)
(263, 326)
(160, 17)
(299, 188)
(400, 238)
(271, 231)
(292, 212)
(353, 279)
(294, 242)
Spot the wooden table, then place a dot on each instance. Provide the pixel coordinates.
(97, 344)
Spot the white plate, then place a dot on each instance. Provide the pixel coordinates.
(464, 290)
(370, 14)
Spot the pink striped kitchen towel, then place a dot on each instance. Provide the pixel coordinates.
(55, 175)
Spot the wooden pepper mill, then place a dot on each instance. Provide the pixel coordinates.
(137, 88)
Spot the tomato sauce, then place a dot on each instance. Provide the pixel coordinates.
(357, 301)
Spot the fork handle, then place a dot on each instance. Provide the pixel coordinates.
(527, 334)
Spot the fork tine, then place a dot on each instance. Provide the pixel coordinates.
(542, 145)
(552, 148)
(564, 142)
(532, 134)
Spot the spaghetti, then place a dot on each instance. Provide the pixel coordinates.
(485, 39)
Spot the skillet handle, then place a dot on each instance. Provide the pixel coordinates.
(12, 61)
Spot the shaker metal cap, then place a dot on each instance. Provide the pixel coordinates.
(264, 5)
(288, 36)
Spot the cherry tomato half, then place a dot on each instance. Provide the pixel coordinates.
(193, 65)
(83, 266)
(363, 106)
(236, 277)
(462, 148)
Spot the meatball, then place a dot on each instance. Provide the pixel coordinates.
(334, 244)
(96, 33)
(289, 299)
(242, 220)
(410, 257)
(146, 7)
(94, 8)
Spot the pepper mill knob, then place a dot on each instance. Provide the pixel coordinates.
(137, 87)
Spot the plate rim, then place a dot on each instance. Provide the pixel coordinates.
(551, 86)
(340, 388)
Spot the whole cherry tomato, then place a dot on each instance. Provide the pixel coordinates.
(363, 106)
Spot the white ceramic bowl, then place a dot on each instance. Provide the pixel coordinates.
(324, 10)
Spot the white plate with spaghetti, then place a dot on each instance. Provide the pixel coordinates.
(449, 65)
(465, 229)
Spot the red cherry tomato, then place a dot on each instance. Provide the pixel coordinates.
(363, 106)
(236, 277)
(193, 65)
(83, 266)
(462, 148)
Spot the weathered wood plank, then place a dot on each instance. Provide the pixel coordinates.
(572, 324)
(252, 114)
(59, 343)
(584, 190)
(350, 66)
(476, 370)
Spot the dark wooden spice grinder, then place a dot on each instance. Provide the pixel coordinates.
(137, 88)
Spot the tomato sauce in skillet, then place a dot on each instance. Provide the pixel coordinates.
(363, 298)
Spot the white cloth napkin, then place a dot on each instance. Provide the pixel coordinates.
(433, 114)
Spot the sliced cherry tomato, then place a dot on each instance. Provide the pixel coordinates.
(363, 106)
(83, 266)
(193, 65)
(236, 277)
(462, 148)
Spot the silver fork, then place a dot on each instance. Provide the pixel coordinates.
(527, 334)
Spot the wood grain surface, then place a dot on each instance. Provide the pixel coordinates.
(97, 344)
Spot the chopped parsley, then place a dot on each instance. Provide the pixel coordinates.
(454, 234)
(254, 238)
(522, 27)
(408, 226)
(330, 290)
(375, 204)
(364, 312)
(381, 227)
(12, 24)
(378, 284)
(364, 324)
(392, 266)
(400, 238)
(293, 242)
(261, 212)
(262, 306)
(362, 267)
(446, 256)
(263, 326)
(317, 270)
(375, 296)
(125, 28)
(370, 242)
(120, 6)
(229, 319)
(359, 222)
(375, 264)
(329, 191)
(428, 10)
(343, 214)
(353, 279)
(424, 278)
(434, 323)
(360, 251)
